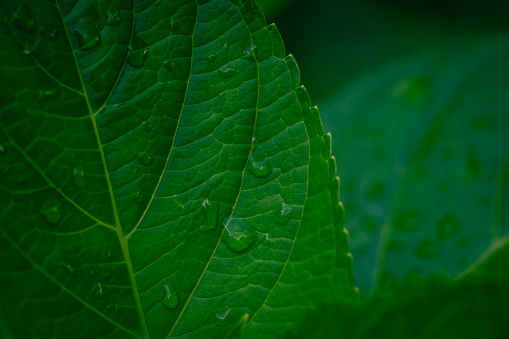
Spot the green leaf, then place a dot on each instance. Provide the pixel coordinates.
(424, 157)
(472, 308)
(163, 174)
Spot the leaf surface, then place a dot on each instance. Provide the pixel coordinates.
(424, 155)
(163, 173)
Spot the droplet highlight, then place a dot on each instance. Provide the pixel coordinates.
(239, 242)
(145, 159)
(227, 72)
(51, 212)
(137, 58)
(282, 216)
(260, 169)
(96, 84)
(50, 34)
(78, 174)
(170, 298)
(48, 94)
(211, 212)
(169, 64)
(87, 41)
(223, 315)
(23, 18)
(113, 17)
(211, 58)
(147, 125)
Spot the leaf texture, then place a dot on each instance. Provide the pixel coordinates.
(164, 174)
(427, 163)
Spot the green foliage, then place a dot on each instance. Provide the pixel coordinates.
(163, 174)
(424, 162)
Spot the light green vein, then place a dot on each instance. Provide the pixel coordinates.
(122, 240)
(50, 182)
(62, 286)
(174, 135)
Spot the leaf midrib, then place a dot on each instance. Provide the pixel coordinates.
(122, 240)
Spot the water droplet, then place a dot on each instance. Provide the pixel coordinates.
(227, 72)
(23, 18)
(406, 221)
(426, 250)
(211, 58)
(169, 64)
(50, 34)
(174, 26)
(86, 40)
(27, 50)
(113, 17)
(106, 253)
(238, 242)
(137, 58)
(447, 227)
(138, 197)
(223, 315)
(170, 298)
(260, 169)
(211, 212)
(51, 211)
(145, 159)
(96, 84)
(48, 94)
(78, 174)
(147, 126)
(250, 49)
(283, 215)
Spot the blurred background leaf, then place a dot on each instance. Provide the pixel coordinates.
(415, 95)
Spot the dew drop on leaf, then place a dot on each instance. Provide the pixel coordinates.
(48, 94)
(23, 18)
(138, 197)
(406, 221)
(211, 211)
(447, 227)
(260, 169)
(170, 298)
(147, 126)
(174, 26)
(223, 315)
(137, 58)
(50, 34)
(78, 174)
(87, 41)
(227, 72)
(96, 84)
(169, 64)
(145, 159)
(113, 17)
(283, 215)
(211, 58)
(426, 249)
(251, 49)
(238, 242)
(51, 212)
